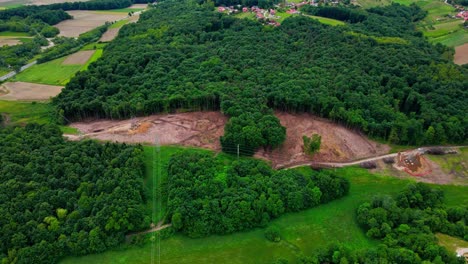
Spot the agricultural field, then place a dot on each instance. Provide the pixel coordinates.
(84, 21)
(59, 71)
(301, 232)
(21, 91)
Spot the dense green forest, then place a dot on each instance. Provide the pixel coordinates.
(406, 225)
(206, 197)
(378, 75)
(61, 198)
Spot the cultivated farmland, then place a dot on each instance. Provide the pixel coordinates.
(78, 58)
(22, 91)
(84, 21)
(461, 54)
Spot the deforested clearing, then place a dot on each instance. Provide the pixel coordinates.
(461, 54)
(79, 58)
(23, 91)
(203, 129)
(84, 21)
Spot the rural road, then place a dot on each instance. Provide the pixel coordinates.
(356, 162)
(13, 73)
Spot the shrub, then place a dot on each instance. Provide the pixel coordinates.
(272, 233)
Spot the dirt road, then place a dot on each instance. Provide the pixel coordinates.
(357, 162)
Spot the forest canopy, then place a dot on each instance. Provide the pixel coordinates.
(206, 197)
(60, 198)
(379, 75)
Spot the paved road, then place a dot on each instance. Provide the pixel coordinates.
(13, 73)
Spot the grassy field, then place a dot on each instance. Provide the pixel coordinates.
(13, 34)
(54, 72)
(51, 72)
(302, 232)
(328, 21)
(93, 46)
(94, 57)
(119, 23)
(125, 10)
(20, 113)
(451, 243)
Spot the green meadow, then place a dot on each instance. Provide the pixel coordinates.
(20, 113)
(55, 72)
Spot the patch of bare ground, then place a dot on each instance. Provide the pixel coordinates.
(461, 54)
(138, 6)
(110, 35)
(339, 144)
(199, 129)
(9, 42)
(433, 173)
(78, 58)
(203, 129)
(84, 20)
(23, 91)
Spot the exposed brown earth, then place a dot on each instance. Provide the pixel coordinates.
(78, 58)
(203, 129)
(23, 91)
(339, 144)
(199, 129)
(110, 35)
(9, 41)
(84, 20)
(461, 54)
(138, 6)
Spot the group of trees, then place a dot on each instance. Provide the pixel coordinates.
(206, 197)
(390, 90)
(405, 225)
(312, 144)
(60, 198)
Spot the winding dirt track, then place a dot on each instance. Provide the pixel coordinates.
(356, 162)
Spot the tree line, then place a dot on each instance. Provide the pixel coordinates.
(207, 197)
(408, 92)
(60, 198)
(405, 226)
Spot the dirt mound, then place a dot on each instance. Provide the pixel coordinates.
(18, 91)
(78, 58)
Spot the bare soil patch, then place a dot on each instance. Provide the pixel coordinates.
(138, 6)
(9, 41)
(461, 54)
(78, 58)
(110, 35)
(84, 20)
(203, 129)
(339, 144)
(199, 129)
(421, 168)
(23, 91)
